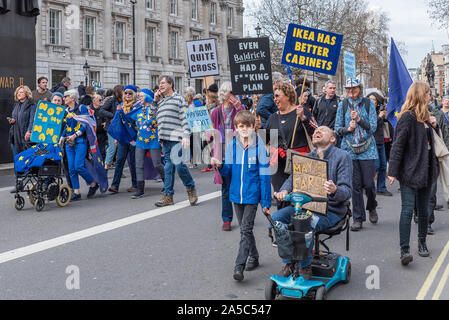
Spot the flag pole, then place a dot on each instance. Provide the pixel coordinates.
(297, 116)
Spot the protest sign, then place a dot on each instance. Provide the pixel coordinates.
(198, 119)
(47, 123)
(349, 64)
(250, 65)
(312, 49)
(309, 176)
(96, 85)
(202, 57)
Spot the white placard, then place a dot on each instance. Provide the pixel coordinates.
(202, 57)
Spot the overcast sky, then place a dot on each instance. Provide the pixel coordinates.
(409, 23)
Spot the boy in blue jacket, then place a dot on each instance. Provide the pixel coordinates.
(247, 163)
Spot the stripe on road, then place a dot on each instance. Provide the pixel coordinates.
(431, 277)
(68, 238)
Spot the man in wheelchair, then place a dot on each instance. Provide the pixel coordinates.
(338, 189)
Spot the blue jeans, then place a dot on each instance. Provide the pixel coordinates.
(226, 205)
(122, 154)
(408, 196)
(171, 167)
(75, 159)
(110, 151)
(325, 222)
(381, 168)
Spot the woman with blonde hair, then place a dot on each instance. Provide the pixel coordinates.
(21, 119)
(414, 164)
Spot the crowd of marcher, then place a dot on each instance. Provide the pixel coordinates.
(352, 133)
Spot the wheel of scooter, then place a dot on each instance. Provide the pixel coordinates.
(270, 290)
(19, 202)
(320, 293)
(348, 273)
(64, 195)
(39, 204)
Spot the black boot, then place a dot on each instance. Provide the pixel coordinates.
(140, 190)
(422, 248)
(406, 257)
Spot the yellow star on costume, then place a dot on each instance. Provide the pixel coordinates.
(140, 138)
(147, 140)
(20, 158)
(154, 130)
(152, 137)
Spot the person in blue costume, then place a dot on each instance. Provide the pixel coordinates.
(147, 141)
(76, 145)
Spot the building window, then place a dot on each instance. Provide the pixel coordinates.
(119, 37)
(90, 32)
(150, 4)
(174, 45)
(151, 36)
(178, 84)
(194, 9)
(154, 81)
(213, 13)
(195, 37)
(124, 79)
(230, 16)
(94, 76)
(119, 1)
(55, 27)
(174, 7)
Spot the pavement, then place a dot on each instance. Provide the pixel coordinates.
(113, 247)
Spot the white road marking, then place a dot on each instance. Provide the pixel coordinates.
(68, 238)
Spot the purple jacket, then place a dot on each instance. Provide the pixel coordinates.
(215, 117)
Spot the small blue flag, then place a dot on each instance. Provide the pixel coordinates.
(399, 81)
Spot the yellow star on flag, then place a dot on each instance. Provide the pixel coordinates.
(20, 158)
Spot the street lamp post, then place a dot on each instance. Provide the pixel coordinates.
(258, 28)
(133, 2)
(86, 68)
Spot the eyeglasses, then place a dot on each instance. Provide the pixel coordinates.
(277, 96)
(128, 92)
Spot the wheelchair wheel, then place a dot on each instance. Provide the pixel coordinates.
(320, 293)
(39, 204)
(348, 273)
(64, 195)
(19, 202)
(271, 290)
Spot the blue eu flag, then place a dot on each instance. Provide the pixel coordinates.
(399, 81)
(122, 128)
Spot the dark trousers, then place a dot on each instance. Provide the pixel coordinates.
(102, 138)
(226, 205)
(122, 154)
(409, 197)
(246, 213)
(363, 179)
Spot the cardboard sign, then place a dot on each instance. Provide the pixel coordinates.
(349, 64)
(47, 123)
(198, 119)
(250, 64)
(312, 49)
(309, 176)
(202, 56)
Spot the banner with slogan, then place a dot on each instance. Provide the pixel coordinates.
(96, 85)
(312, 49)
(250, 64)
(349, 64)
(47, 123)
(202, 57)
(198, 119)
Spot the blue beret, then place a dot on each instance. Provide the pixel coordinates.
(57, 93)
(130, 87)
(148, 98)
(148, 92)
(197, 103)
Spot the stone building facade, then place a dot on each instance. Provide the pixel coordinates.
(71, 32)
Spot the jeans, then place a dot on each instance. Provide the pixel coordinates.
(325, 222)
(110, 152)
(246, 213)
(226, 205)
(171, 167)
(408, 196)
(75, 159)
(140, 162)
(363, 178)
(122, 153)
(381, 168)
